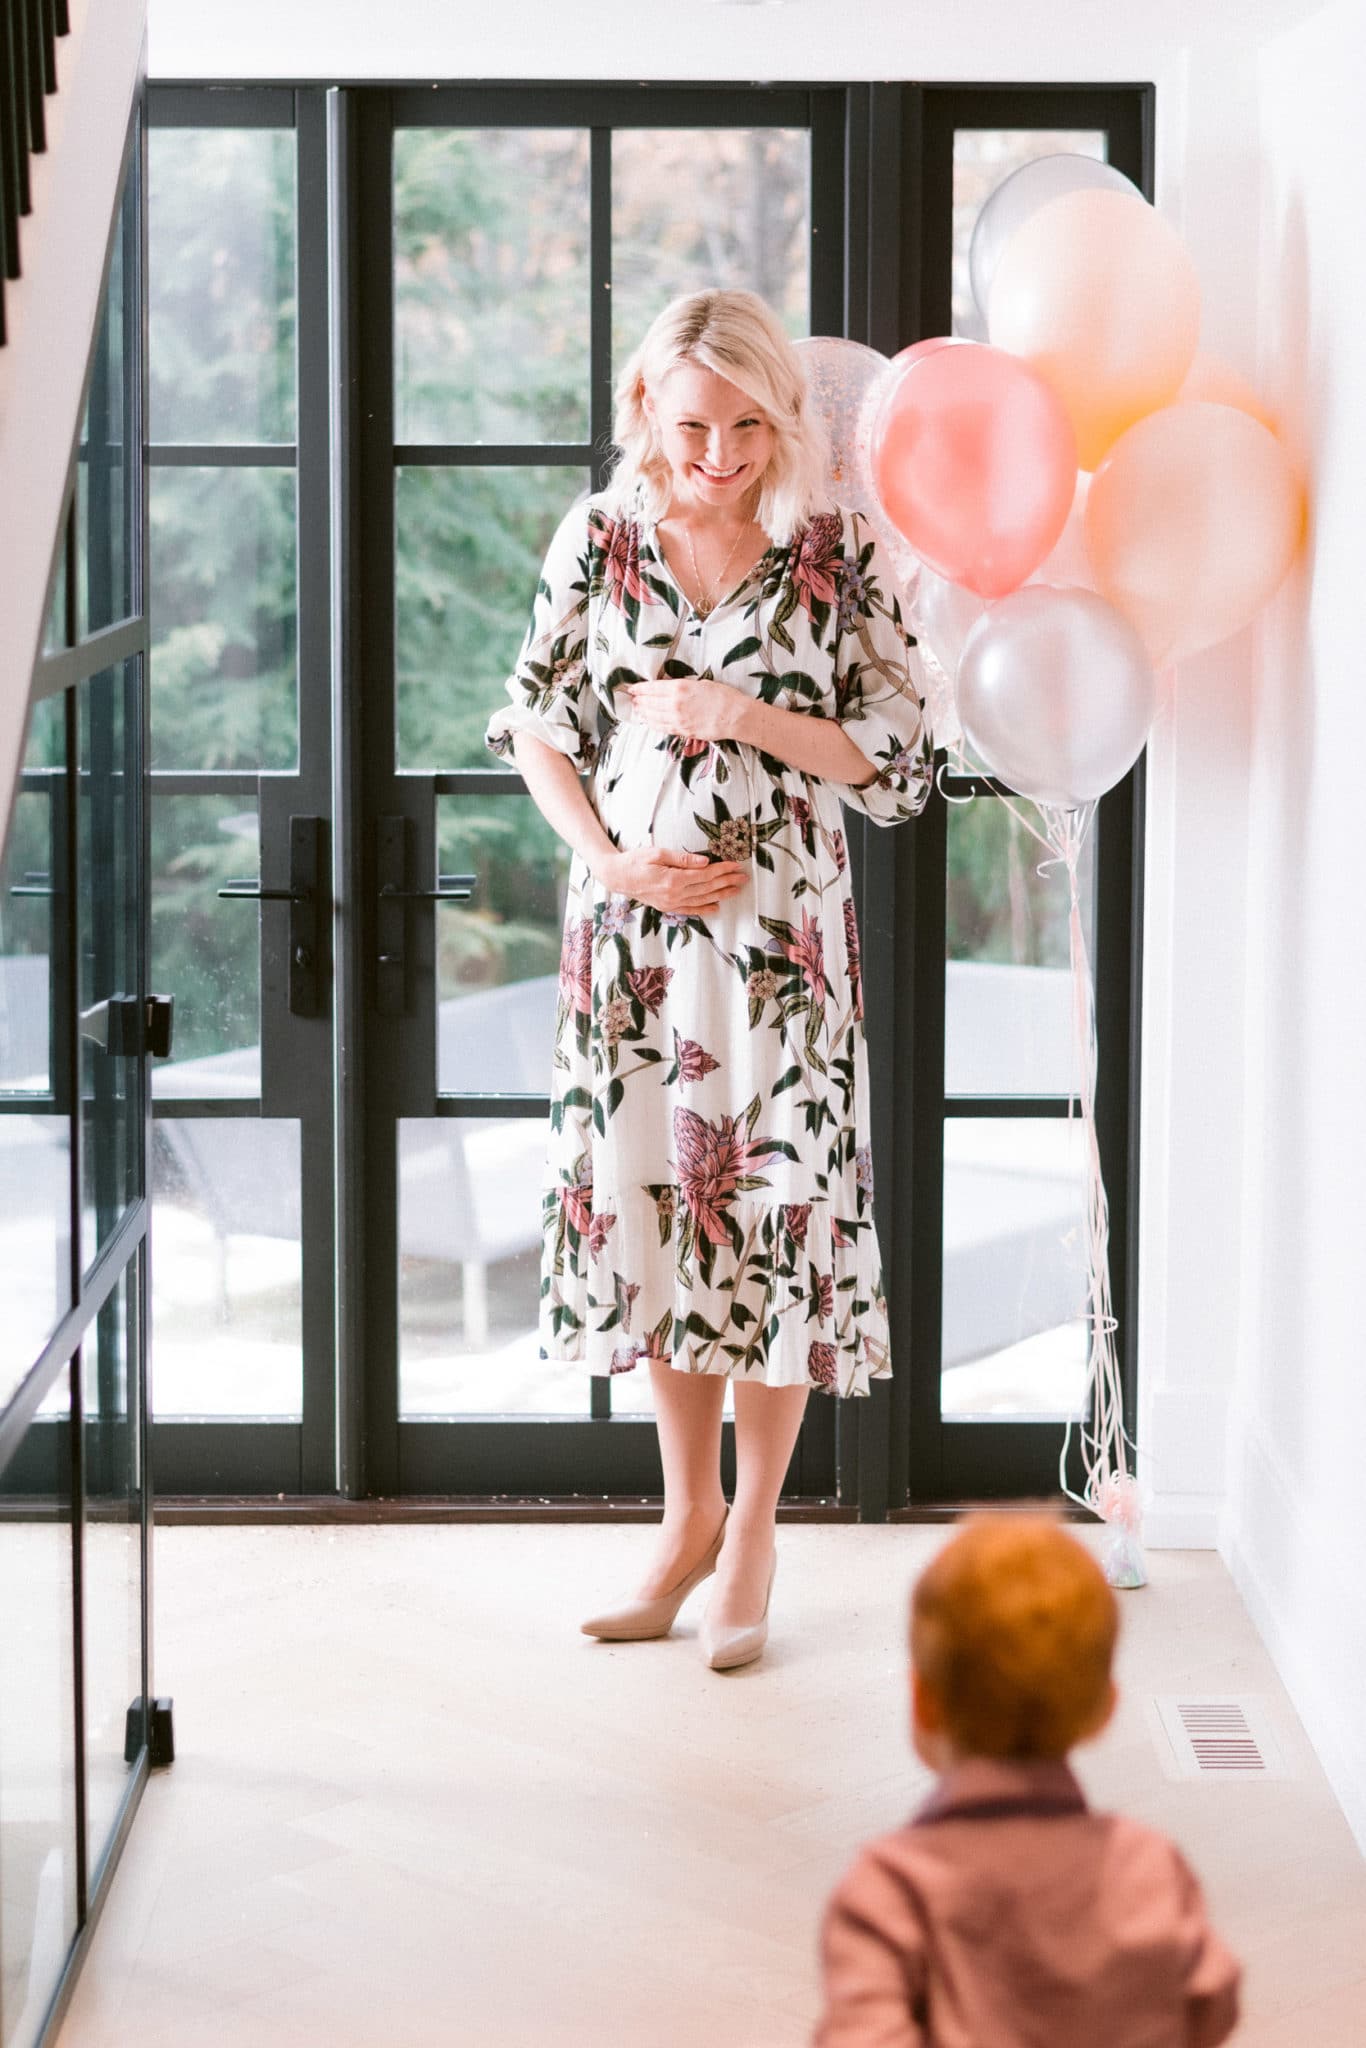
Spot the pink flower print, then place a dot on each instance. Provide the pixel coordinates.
(817, 560)
(597, 1231)
(576, 965)
(824, 1297)
(796, 1216)
(851, 947)
(650, 984)
(624, 1358)
(807, 951)
(694, 1064)
(712, 1158)
(801, 813)
(619, 542)
(578, 1203)
(820, 1365)
(841, 857)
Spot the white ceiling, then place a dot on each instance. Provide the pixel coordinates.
(698, 39)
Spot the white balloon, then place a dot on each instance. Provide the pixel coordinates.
(1056, 694)
(1022, 194)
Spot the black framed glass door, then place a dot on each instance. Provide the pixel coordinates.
(513, 248)
(384, 326)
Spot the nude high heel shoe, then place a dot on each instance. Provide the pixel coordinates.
(725, 1648)
(640, 1621)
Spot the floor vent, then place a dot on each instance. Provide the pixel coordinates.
(1219, 1735)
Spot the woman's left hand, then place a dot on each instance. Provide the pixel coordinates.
(691, 707)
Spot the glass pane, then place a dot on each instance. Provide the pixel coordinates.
(108, 901)
(694, 208)
(469, 1271)
(54, 634)
(469, 544)
(221, 305)
(1014, 1266)
(984, 158)
(1008, 995)
(112, 1559)
(205, 950)
(35, 1140)
(37, 1750)
(105, 481)
(498, 956)
(491, 284)
(224, 667)
(227, 1297)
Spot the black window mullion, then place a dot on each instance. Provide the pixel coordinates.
(600, 452)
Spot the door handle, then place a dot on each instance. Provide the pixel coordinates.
(124, 1028)
(391, 921)
(306, 869)
(461, 892)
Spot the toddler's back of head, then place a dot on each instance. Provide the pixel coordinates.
(1013, 1628)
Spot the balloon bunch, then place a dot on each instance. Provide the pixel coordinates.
(1071, 504)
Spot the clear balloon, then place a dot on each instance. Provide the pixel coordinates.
(945, 615)
(1056, 694)
(839, 376)
(1100, 294)
(975, 464)
(1191, 524)
(1022, 194)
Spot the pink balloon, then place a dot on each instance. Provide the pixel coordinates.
(918, 350)
(1191, 523)
(975, 462)
(1212, 381)
(1100, 294)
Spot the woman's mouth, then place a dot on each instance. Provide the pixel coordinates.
(717, 476)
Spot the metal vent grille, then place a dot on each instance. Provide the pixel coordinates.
(1219, 1736)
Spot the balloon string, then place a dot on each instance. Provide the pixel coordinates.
(1105, 1442)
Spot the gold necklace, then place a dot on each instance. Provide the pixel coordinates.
(705, 603)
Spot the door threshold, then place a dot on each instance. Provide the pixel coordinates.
(184, 1510)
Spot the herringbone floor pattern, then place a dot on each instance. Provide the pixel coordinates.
(413, 1806)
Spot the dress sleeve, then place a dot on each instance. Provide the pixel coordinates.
(872, 1965)
(879, 685)
(549, 688)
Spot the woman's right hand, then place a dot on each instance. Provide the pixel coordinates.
(688, 884)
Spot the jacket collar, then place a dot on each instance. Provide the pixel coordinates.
(994, 1788)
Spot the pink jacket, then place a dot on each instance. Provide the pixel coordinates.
(1008, 1915)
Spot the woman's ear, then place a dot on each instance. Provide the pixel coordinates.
(647, 402)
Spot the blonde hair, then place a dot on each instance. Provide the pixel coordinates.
(1013, 1628)
(738, 336)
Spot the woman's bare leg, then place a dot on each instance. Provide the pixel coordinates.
(688, 1416)
(767, 1421)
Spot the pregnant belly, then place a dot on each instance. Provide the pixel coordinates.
(650, 793)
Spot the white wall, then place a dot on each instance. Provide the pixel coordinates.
(1292, 1527)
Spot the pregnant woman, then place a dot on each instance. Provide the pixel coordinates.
(719, 652)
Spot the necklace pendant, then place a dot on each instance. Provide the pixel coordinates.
(702, 608)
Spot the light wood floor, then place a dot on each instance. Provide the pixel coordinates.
(413, 1806)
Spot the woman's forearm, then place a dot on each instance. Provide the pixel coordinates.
(817, 746)
(560, 797)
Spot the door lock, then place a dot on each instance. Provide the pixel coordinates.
(304, 897)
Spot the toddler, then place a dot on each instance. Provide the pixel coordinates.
(1007, 1914)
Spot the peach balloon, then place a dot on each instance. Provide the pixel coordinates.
(1100, 295)
(1214, 382)
(975, 464)
(1191, 524)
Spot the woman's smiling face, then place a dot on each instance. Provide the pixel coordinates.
(715, 439)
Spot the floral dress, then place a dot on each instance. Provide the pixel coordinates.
(708, 1197)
